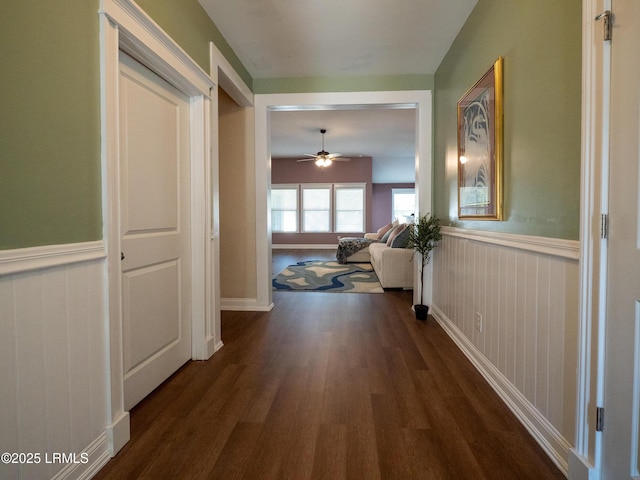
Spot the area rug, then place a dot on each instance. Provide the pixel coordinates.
(320, 276)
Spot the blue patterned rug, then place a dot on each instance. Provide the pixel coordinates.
(319, 276)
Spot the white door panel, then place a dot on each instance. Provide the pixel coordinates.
(150, 176)
(622, 343)
(151, 298)
(154, 227)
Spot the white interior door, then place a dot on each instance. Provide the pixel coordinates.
(622, 351)
(154, 228)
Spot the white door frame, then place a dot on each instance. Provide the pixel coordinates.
(421, 100)
(585, 457)
(123, 25)
(224, 76)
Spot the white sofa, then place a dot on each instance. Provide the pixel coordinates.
(393, 266)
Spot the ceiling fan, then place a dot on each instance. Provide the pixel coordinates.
(324, 158)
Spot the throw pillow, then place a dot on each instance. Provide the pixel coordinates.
(395, 232)
(381, 231)
(400, 240)
(385, 237)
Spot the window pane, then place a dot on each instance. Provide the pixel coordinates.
(316, 205)
(284, 199)
(316, 221)
(349, 209)
(316, 199)
(349, 221)
(349, 198)
(284, 221)
(404, 205)
(284, 209)
(405, 201)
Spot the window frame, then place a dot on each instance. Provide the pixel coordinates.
(395, 191)
(333, 189)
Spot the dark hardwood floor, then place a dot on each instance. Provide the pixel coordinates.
(329, 386)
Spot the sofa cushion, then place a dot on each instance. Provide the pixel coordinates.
(381, 231)
(395, 232)
(401, 239)
(385, 237)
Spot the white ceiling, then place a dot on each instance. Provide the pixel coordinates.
(338, 38)
(306, 38)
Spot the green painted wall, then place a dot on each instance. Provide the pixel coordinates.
(50, 123)
(541, 45)
(50, 179)
(50, 184)
(342, 84)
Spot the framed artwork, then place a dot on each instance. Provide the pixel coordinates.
(480, 136)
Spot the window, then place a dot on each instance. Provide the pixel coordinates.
(403, 201)
(284, 208)
(349, 212)
(316, 208)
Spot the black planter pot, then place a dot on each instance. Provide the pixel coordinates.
(421, 311)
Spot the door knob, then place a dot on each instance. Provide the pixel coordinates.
(121, 256)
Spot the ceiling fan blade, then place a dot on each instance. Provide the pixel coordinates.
(323, 156)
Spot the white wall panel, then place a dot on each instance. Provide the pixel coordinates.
(526, 291)
(53, 365)
(8, 372)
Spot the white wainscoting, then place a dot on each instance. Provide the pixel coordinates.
(53, 359)
(526, 290)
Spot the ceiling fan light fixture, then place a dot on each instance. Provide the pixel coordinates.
(323, 161)
(323, 158)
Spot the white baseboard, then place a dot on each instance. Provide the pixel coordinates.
(547, 436)
(243, 305)
(119, 433)
(213, 347)
(579, 468)
(96, 455)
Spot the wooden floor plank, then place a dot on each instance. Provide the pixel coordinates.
(329, 386)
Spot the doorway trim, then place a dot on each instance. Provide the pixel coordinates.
(421, 100)
(124, 26)
(585, 457)
(225, 77)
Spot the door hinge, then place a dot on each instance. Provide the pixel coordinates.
(599, 419)
(606, 17)
(604, 226)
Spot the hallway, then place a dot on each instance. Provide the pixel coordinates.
(329, 386)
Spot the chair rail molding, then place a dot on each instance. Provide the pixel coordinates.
(39, 258)
(557, 247)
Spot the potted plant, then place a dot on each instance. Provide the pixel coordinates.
(423, 237)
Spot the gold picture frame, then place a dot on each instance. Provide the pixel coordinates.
(480, 148)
